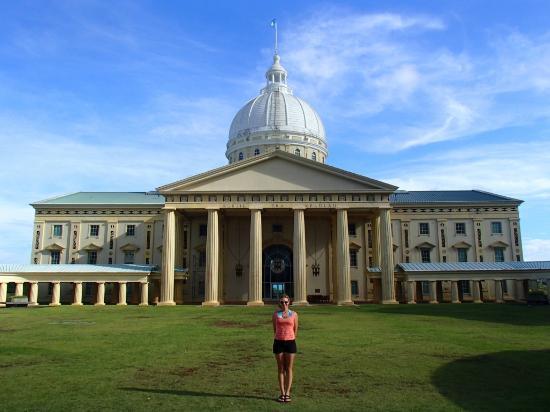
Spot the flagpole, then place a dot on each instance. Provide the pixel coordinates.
(276, 44)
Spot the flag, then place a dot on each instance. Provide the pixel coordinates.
(273, 23)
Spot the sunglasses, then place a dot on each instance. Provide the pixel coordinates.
(283, 302)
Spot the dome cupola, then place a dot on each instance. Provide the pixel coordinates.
(276, 120)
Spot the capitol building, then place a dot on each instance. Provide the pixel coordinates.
(276, 219)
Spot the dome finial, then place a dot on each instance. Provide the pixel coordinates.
(274, 25)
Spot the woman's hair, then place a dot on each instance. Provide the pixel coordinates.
(284, 295)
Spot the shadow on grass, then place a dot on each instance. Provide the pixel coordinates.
(509, 313)
(198, 394)
(509, 380)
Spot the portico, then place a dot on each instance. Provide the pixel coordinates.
(232, 199)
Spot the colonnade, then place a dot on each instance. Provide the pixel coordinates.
(77, 292)
(383, 244)
(410, 287)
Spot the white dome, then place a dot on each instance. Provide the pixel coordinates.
(276, 119)
(275, 110)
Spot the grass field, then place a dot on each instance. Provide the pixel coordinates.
(423, 357)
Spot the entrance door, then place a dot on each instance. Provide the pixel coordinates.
(277, 272)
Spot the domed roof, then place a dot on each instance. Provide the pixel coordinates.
(276, 113)
(275, 110)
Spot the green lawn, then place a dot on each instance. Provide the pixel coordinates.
(372, 357)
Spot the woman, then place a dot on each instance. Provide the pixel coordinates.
(285, 328)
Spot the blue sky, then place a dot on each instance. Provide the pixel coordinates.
(128, 96)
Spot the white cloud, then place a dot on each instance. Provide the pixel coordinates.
(514, 169)
(536, 249)
(378, 69)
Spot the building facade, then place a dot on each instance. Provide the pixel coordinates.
(279, 219)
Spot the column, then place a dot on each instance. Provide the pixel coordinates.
(255, 266)
(520, 291)
(144, 294)
(77, 296)
(19, 289)
(342, 265)
(299, 257)
(100, 298)
(454, 292)
(56, 291)
(212, 256)
(411, 292)
(386, 255)
(33, 295)
(376, 241)
(121, 294)
(476, 293)
(499, 295)
(168, 259)
(3, 294)
(433, 291)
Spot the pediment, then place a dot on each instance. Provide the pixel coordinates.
(499, 243)
(54, 246)
(91, 247)
(277, 172)
(353, 245)
(462, 245)
(129, 247)
(425, 245)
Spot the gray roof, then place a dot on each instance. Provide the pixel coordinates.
(474, 266)
(436, 197)
(76, 268)
(105, 198)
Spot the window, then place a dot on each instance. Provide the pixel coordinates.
(129, 257)
(351, 229)
(424, 228)
(92, 257)
(94, 230)
(256, 152)
(148, 261)
(499, 254)
(465, 285)
(203, 230)
(110, 261)
(425, 255)
(202, 258)
(241, 156)
(462, 255)
(369, 238)
(130, 230)
(355, 198)
(354, 288)
(57, 230)
(314, 156)
(460, 228)
(55, 257)
(148, 241)
(353, 258)
(425, 288)
(496, 228)
(297, 152)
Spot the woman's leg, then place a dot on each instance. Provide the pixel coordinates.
(288, 365)
(281, 371)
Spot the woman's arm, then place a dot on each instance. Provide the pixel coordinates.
(295, 324)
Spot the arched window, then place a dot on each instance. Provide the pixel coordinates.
(314, 156)
(241, 157)
(297, 152)
(256, 152)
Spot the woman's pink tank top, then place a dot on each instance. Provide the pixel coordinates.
(284, 327)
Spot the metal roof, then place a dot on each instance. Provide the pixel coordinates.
(76, 268)
(105, 198)
(448, 196)
(474, 266)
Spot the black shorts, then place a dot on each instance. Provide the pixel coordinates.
(284, 346)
